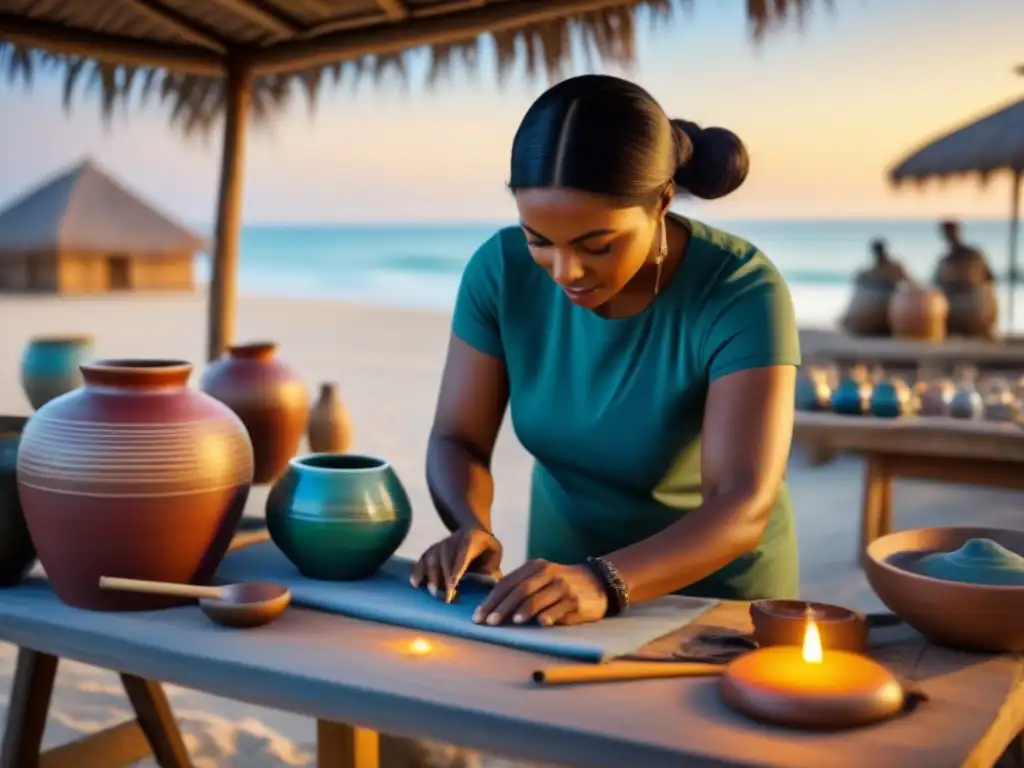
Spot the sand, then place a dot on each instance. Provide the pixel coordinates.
(387, 363)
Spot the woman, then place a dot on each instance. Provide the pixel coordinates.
(649, 361)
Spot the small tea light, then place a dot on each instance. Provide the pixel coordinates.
(810, 686)
(420, 647)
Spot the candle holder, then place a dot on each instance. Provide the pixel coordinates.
(783, 622)
(809, 687)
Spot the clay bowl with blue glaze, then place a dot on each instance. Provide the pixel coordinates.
(962, 587)
(338, 517)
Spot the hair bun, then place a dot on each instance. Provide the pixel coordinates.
(712, 161)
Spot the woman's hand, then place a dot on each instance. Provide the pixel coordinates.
(444, 564)
(548, 592)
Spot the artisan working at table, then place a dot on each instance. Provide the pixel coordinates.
(650, 364)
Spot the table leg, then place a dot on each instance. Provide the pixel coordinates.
(877, 509)
(26, 715)
(157, 721)
(346, 746)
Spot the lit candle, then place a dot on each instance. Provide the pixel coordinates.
(810, 685)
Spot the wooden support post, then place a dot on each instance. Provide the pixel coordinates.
(26, 713)
(346, 746)
(876, 509)
(157, 721)
(224, 272)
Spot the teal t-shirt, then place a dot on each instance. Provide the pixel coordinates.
(611, 409)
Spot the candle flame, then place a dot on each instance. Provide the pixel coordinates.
(420, 647)
(812, 652)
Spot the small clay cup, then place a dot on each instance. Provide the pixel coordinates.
(975, 617)
(783, 622)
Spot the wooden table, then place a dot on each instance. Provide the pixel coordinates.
(938, 449)
(998, 355)
(352, 677)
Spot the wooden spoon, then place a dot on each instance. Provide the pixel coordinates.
(231, 605)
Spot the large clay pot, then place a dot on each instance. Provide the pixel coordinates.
(269, 397)
(973, 310)
(868, 312)
(16, 551)
(338, 517)
(49, 366)
(134, 475)
(918, 312)
(330, 427)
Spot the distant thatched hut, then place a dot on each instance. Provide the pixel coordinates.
(82, 232)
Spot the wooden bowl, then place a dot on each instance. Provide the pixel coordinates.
(782, 622)
(975, 617)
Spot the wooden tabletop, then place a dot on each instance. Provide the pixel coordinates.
(1004, 354)
(913, 435)
(479, 695)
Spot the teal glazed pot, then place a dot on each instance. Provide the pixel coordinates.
(338, 517)
(16, 551)
(49, 366)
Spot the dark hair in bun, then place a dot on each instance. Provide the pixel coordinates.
(608, 136)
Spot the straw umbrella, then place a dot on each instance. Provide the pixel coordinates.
(991, 144)
(229, 60)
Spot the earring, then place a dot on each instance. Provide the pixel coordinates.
(662, 255)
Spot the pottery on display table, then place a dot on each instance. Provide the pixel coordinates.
(868, 311)
(784, 622)
(966, 402)
(16, 551)
(268, 396)
(852, 395)
(918, 311)
(1000, 403)
(338, 517)
(973, 310)
(135, 475)
(49, 366)
(812, 390)
(972, 616)
(891, 398)
(934, 396)
(330, 426)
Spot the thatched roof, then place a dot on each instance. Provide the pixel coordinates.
(994, 142)
(84, 209)
(180, 49)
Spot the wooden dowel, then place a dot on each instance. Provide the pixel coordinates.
(247, 539)
(623, 670)
(161, 588)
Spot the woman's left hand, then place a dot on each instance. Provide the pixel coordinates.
(548, 592)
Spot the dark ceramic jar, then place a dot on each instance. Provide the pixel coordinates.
(338, 517)
(134, 475)
(268, 396)
(16, 551)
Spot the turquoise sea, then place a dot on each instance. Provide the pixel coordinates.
(418, 265)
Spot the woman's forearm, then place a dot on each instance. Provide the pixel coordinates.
(700, 543)
(460, 484)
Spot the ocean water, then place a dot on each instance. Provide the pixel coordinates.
(418, 265)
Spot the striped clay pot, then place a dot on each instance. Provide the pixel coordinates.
(268, 396)
(134, 475)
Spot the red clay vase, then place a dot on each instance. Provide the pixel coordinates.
(133, 475)
(330, 426)
(268, 396)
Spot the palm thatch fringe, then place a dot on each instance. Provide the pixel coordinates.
(547, 50)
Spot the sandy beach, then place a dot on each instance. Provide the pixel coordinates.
(387, 363)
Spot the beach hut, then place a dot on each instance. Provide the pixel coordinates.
(226, 60)
(83, 232)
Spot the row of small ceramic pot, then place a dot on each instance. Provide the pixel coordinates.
(135, 474)
(268, 395)
(855, 394)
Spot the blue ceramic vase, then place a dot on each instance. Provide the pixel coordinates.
(338, 517)
(851, 397)
(16, 551)
(890, 399)
(49, 366)
(978, 561)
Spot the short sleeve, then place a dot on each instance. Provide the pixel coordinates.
(477, 317)
(752, 322)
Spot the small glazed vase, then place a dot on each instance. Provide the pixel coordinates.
(49, 366)
(812, 391)
(918, 311)
(967, 402)
(338, 517)
(16, 551)
(934, 396)
(268, 396)
(330, 427)
(135, 474)
(1001, 404)
(852, 396)
(891, 398)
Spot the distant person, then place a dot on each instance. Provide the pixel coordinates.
(885, 271)
(965, 278)
(650, 363)
(962, 264)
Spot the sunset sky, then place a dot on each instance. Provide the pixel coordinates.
(824, 112)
